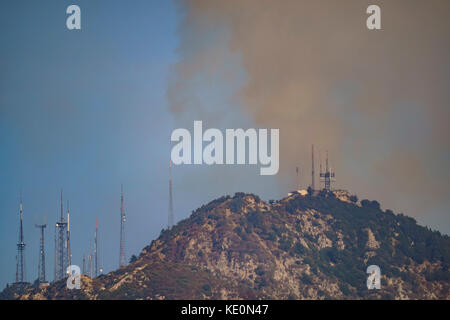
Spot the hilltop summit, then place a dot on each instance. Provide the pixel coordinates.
(300, 247)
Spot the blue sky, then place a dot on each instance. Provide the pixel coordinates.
(84, 111)
(87, 111)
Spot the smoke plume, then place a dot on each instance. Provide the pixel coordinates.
(378, 100)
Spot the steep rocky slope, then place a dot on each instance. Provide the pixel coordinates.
(301, 247)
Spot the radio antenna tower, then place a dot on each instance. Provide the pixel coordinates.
(171, 219)
(60, 245)
(41, 265)
(122, 230)
(96, 248)
(327, 176)
(320, 161)
(20, 267)
(69, 252)
(312, 167)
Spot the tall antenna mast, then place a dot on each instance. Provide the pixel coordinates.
(61, 244)
(312, 167)
(20, 267)
(41, 265)
(55, 255)
(95, 248)
(69, 253)
(297, 170)
(320, 160)
(171, 218)
(122, 230)
(328, 175)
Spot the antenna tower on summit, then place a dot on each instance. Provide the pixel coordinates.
(327, 176)
(122, 230)
(20, 267)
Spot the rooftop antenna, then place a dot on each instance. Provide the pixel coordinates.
(41, 265)
(122, 230)
(171, 218)
(20, 266)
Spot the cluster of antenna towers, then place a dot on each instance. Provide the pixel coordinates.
(327, 176)
(63, 255)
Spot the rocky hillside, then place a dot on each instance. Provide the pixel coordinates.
(301, 247)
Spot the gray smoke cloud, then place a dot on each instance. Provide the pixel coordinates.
(377, 100)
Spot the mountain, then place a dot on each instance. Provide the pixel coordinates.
(305, 246)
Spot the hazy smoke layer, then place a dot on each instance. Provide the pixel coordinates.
(377, 100)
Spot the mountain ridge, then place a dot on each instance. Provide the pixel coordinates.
(309, 245)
